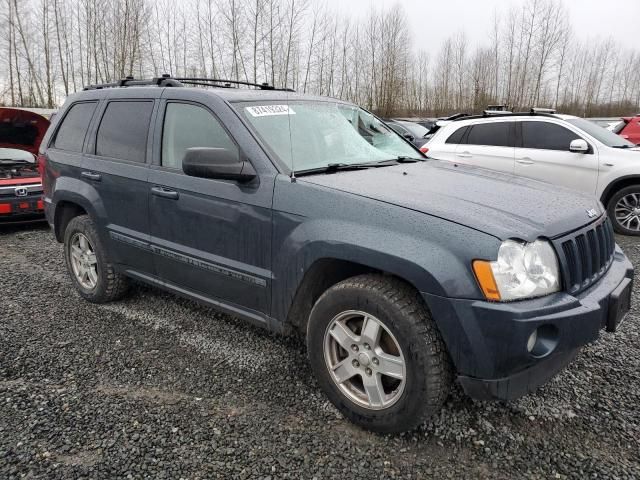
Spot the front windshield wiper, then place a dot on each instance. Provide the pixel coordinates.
(621, 146)
(338, 167)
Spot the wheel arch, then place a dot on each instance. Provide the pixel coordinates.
(66, 211)
(321, 275)
(617, 185)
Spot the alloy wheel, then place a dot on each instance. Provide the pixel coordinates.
(627, 211)
(83, 261)
(364, 360)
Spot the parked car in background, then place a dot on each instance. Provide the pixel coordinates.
(629, 129)
(308, 214)
(412, 131)
(559, 149)
(21, 132)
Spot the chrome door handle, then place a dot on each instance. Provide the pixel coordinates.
(96, 177)
(464, 155)
(524, 161)
(165, 193)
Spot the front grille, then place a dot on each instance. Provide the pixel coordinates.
(586, 255)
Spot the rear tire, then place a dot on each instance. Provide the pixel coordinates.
(88, 264)
(624, 210)
(393, 382)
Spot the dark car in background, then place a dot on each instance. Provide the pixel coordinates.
(21, 132)
(412, 131)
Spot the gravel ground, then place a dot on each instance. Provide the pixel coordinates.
(159, 387)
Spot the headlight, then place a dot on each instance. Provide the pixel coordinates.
(522, 270)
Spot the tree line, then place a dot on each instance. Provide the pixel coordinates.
(531, 56)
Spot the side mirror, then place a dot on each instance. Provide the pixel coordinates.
(220, 163)
(579, 146)
(409, 137)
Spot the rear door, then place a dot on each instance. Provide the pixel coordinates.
(116, 167)
(209, 236)
(543, 154)
(488, 145)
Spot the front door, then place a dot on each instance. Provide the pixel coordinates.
(210, 237)
(544, 155)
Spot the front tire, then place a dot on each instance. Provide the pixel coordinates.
(88, 264)
(624, 210)
(377, 353)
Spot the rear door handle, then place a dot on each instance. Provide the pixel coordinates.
(96, 177)
(524, 161)
(165, 193)
(464, 155)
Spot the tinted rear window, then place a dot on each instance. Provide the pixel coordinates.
(546, 136)
(493, 134)
(124, 129)
(74, 126)
(457, 136)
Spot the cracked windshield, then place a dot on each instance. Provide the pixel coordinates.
(320, 134)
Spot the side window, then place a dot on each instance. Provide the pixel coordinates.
(187, 126)
(457, 136)
(547, 136)
(124, 129)
(70, 135)
(494, 134)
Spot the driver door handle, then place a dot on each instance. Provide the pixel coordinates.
(165, 193)
(464, 155)
(525, 161)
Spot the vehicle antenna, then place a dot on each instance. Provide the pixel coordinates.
(293, 167)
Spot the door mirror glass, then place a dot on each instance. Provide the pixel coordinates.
(220, 163)
(579, 146)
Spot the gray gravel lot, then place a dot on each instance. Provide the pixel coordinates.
(159, 387)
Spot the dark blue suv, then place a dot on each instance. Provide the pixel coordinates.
(307, 214)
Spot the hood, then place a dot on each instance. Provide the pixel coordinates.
(21, 129)
(499, 204)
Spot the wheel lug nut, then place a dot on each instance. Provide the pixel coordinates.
(354, 347)
(368, 371)
(356, 363)
(375, 361)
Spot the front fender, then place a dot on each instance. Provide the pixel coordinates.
(438, 262)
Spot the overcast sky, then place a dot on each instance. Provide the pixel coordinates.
(432, 21)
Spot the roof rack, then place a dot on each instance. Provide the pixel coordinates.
(167, 80)
(217, 82)
(493, 114)
(542, 110)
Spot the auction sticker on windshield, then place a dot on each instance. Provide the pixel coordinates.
(266, 110)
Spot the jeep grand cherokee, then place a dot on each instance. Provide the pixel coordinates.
(302, 213)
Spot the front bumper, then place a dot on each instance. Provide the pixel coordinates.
(487, 341)
(21, 209)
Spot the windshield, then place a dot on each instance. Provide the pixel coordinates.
(416, 129)
(603, 135)
(313, 135)
(15, 154)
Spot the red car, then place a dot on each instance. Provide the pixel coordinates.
(21, 132)
(629, 129)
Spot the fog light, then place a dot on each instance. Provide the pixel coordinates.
(531, 343)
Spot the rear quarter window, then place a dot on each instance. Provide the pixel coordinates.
(124, 130)
(70, 135)
(457, 136)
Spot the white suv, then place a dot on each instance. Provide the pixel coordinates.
(560, 149)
